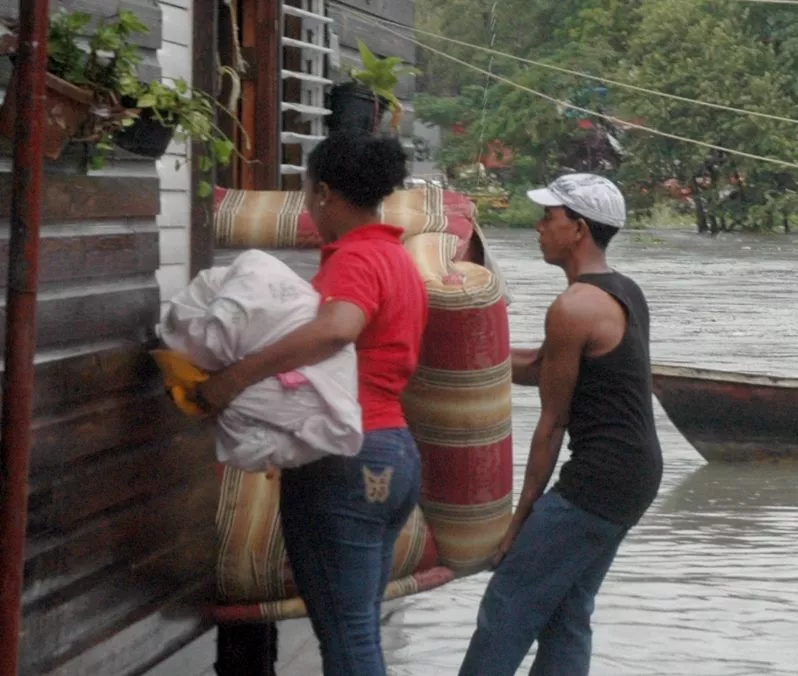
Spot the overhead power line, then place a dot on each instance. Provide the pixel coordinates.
(565, 104)
(587, 76)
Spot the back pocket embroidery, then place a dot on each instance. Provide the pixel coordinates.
(378, 486)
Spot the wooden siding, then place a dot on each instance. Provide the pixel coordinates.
(174, 220)
(122, 491)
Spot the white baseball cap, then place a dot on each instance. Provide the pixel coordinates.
(594, 197)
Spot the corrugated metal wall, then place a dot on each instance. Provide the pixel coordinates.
(123, 492)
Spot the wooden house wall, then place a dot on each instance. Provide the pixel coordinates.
(122, 490)
(174, 58)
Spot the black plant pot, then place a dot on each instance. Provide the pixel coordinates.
(147, 136)
(355, 107)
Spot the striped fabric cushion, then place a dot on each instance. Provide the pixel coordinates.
(252, 566)
(251, 562)
(459, 407)
(294, 607)
(276, 220)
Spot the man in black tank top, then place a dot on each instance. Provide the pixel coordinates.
(594, 375)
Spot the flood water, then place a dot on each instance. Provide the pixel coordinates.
(707, 584)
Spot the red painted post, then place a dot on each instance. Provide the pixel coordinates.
(20, 348)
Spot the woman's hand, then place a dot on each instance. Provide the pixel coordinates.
(215, 394)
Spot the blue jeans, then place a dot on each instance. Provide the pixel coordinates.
(341, 518)
(545, 590)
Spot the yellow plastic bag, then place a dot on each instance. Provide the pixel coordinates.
(180, 377)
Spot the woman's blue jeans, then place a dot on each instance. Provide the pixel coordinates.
(341, 518)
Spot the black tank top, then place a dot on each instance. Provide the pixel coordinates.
(615, 466)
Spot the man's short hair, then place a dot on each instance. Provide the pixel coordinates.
(601, 233)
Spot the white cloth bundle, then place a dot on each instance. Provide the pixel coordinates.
(228, 313)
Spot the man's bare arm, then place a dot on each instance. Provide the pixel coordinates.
(566, 336)
(526, 365)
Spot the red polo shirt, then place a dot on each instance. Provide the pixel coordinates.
(370, 268)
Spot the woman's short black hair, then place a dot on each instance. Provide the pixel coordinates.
(362, 168)
(601, 233)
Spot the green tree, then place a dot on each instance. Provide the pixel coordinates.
(706, 50)
(731, 54)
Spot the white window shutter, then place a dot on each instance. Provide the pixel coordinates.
(312, 81)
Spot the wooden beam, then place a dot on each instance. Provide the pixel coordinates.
(86, 254)
(226, 176)
(80, 313)
(401, 11)
(380, 41)
(205, 32)
(268, 87)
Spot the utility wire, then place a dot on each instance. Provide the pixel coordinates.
(565, 104)
(772, 2)
(615, 83)
(484, 115)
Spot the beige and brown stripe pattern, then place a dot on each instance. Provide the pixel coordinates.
(293, 608)
(277, 219)
(410, 545)
(252, 565)
(459, 407)
(288, 219)
(468, 535)
(258, 219)
(251, 559)
(225, 217)
(417, 211)
(493, 375)
(452, 285)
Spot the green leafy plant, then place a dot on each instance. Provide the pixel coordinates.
(381, 75)
(109, 68)
(65, 58)
(190, 113)
(744, 56)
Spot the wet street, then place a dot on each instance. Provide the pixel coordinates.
(707, 584)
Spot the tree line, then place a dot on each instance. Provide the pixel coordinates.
(725, 52)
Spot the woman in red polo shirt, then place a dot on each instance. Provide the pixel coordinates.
(341, 516)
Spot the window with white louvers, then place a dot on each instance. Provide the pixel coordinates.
(309, 51)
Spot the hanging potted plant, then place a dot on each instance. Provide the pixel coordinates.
(185, 114)
(149, 135)
(163, 111)
(361, 102)
(95, 96)
(83, 87)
